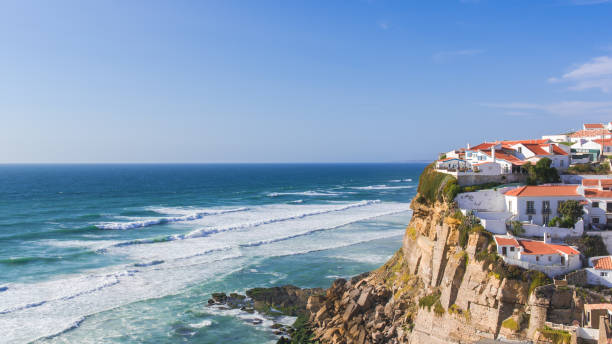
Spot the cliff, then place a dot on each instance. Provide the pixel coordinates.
(445, 285)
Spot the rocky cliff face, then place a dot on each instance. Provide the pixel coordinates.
(431, 291)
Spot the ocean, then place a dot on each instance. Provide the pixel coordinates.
(131, 253)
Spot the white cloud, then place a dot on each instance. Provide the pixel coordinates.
(595, 74)
(444, 56)
(563, 108)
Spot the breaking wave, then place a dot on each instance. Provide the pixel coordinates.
(163, 220)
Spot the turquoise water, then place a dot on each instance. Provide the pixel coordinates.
(131, 253)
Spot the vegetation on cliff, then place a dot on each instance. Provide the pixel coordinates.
(589, 246)
(435, 186)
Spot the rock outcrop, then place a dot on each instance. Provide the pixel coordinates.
(441, 287)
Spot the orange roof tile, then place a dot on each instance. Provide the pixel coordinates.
(606, 183)
(604, 263)
(544, 190)
(590, 133)
(594, 193)
(590, 182)
(606, 142)
(540, 247)
(594, 126)
(536, 149)
(558, 150)
(502, 241)
(505, 156)
(534, 141)
(484, 145)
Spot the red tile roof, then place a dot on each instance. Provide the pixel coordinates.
(558, 150)
(484, 145)
(505, 156)
(502, 241)
(594, 193)
(590, 182)
(606, 142)
(544, 190)
(536, 149)
(606, 183)
(604, 263)
(536, 141)
(590, 133)
(540, 247)
(593, 126)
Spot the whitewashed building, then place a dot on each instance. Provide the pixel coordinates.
(551, 259)
(599, 271)
(598, 208)
(537, 204)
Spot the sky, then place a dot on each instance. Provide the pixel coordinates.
(294, 81)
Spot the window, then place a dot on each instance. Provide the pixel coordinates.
(545, 219)
(595, 205)
(609, 207)
(537, 258)
(469, 155)
(595, 220)
(562, 260)
(545, 207)
(520, 149)
(549, 258)
(603, 274)
(530, 207)
(561, 163)
(512, 249)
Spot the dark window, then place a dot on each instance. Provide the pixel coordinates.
(545, 207)
(609, 207)
(537, 258)
(546, 218)
(504, 251)
(562, 260)
(595, 205)
(596, 220)
(530, 207)
(512, 249)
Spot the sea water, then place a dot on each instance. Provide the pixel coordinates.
(131, 253)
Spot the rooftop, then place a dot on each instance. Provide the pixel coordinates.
(604, 263)
(540, 247)
(544, 190)
(595, 193)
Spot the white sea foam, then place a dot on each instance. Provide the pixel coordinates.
(382, 187)
(203, 323)
(304, 193)
(167, 267)
(212, 230)
(400, 180)
(162, 220)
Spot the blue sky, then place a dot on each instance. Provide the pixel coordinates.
(294, 81)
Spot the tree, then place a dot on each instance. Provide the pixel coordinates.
(571, 210)
(569, 213)
(542, 172)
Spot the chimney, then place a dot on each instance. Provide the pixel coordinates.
(468, 146)
(493, 152)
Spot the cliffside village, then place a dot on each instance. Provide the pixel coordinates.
(524, 216)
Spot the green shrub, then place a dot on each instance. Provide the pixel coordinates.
(516, 227)
(538, 279)
(302, 332)
(433, 186)
(589, 246)
(438, 309)
(429, 300)
(556, 336)
(542, 172)
(511, 324)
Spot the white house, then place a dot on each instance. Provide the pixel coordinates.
(533, 152)
(551, 259)
(537, 204)
(556, 138)
(599, 271)
(598, 194)
(452, 164)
